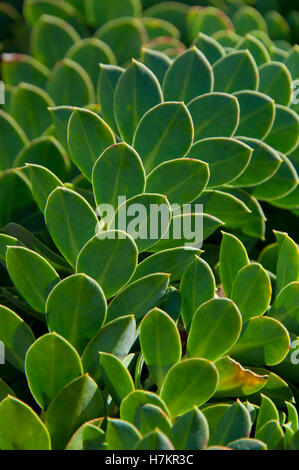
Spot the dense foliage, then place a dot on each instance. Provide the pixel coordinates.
(149, 343)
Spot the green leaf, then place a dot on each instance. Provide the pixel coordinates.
(156, 61)
(264, 163)
(5, 241)
(234, 424)
(284, 135)
(214, 115)
(190, 431)
(16, 336)
(69, 84)
(272, 435)
(64, 213)
(28, 106)
(181, 180)
(286, 307)
(245, 74)
(169, 126)
(93, 438)
(33, 9)
(233, 257)
(51, 38)
(257, 113)
(156, 28)
(247, 444)
(32, 275)
(288, 261)
(263, 341)
(160, 344)
(137, 91)
(209, 47)
(117, 172)
(215, 328)
(121, 435)
(252, 291)
(156, 440)
(247, 19)
(173, 261)
(132, 403)
(78, 402)
(267, 412)
(12, 140)
(116, 337)
(21, 428)
(182, 83)
(213, 414)
(150, 417)
(108, 79)
(88, 53)
(276, 81)
(110, 258)
(235, 381)
(145, 217)
(17, 68)
(207, 20)
(117, 379)
(51, 363)
(60, 116)
(139, 297)
(76, 309)
(88, 137)
(125, 37)
(256, 48)
(5, 391)
(100, 13)
(16, 200)
(292, 416)
(197, 286)
(43, 182)
(227, 158)
(189, 383)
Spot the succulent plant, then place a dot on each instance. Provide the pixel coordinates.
(120, 342)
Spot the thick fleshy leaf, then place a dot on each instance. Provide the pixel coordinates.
(173, 261)
(189, 383)
(108, 79)
(88, 53)
(209, 47)
(150, 417)
(257, 113)
(64, 213)
(60, 116)
(245, 75)
(99, 13)
(121, 435)
(28, 106)
(247, 444)
(32, 275)
(233, 257)
(43, 182)
(5, 390)
(284, 135)
(169, 126)
(12, 140)
(156, 61)
(234, 424)
(235, 381)
(21, 428)
(156, 440)
(88, 137)
(257, 49)
(78, 402)
(197, 286)
(145, 217)
(125, 36)
(247, 19)
(190, 431)
(116, 337)
(207, 20)
(189, 76)
(137, 91)
(156, 28)
(227, 158)
(252, 291)
(117, 379)
(263, 341)
(215, 328)
(69, 84)
(53, 31)
(17, 68)
(132, 403)
(117, 172)
(276, 81)
(288, 261)
(5, 241)
(267, 412)
(139, 297)
(272, 435)
(16, 336)
(286, 307)
(76, 309)
(181, 180)
(214, 115)
(160, 344)
(51, 363)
